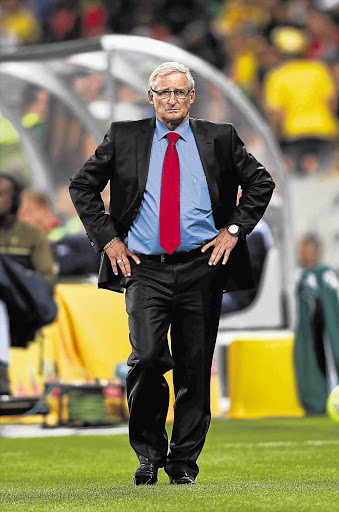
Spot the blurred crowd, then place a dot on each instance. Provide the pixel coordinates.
(283, 54)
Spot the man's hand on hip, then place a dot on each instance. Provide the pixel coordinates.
(223, 245)
(118, 253)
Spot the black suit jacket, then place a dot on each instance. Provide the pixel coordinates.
(123, 159)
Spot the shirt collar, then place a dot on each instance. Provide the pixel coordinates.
(161, 130)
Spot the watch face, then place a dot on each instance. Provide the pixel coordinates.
(233, 229)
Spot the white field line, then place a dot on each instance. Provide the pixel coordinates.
(278, 444)
(15, 431)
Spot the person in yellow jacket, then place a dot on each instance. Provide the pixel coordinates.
(300, 99)
(19, 23)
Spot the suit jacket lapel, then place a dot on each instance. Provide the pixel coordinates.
(205, 146)
(144, 139)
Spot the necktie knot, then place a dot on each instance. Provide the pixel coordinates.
(173, 137)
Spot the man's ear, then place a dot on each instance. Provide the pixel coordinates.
(192, 96)
(150, 97)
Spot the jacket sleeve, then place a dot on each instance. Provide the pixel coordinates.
(256, 183)
(85, 188)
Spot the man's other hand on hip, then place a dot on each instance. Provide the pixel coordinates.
(223, 245)
(119, 255)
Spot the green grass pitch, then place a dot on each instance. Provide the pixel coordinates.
(260, 465)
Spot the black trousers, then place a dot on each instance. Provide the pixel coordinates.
(185, 297)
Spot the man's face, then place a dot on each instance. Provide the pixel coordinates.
(6, 196)
(307, 253)
(172, 111)
(32, 212)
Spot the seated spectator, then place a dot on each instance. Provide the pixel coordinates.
(64, 22)
(94, 18)
(236, 13)
(26, 278)
(300, 100)
(19, 23)
(36, 110)
(72, 251)
(36, 209)
(244, 64)
(316, 351)
(323, 36)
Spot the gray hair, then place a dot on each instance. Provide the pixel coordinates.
(171, 67)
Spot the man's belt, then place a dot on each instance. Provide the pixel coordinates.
(176, 257)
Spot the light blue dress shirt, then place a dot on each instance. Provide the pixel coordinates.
(196, 217)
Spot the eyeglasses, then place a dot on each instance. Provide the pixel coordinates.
(178, 93)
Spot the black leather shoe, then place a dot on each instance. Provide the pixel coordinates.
(182, 478)
(146, 474)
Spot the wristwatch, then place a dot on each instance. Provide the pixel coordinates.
(233, 229)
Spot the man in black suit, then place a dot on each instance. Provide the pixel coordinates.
(174, 240)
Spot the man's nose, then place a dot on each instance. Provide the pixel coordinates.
(172, 98)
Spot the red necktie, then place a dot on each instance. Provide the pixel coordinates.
(170, 197)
